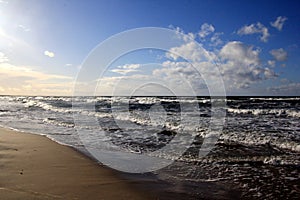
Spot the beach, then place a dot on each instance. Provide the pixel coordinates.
(34, 167)
(256, 155)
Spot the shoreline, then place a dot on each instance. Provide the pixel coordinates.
(36, 167)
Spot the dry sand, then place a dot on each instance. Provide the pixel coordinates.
(34, 167)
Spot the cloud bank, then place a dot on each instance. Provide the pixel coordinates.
(23, 80)
(241, 65)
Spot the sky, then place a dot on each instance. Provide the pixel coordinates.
(45, 46)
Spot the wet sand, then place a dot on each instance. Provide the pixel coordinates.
(34, 167)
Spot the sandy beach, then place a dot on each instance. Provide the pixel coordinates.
(34, 167)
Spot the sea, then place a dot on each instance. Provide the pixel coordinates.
(256, 154)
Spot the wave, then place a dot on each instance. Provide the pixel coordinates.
(45, 106)
(256, 139)
(276, 98)
(277, 112)
(59, 122)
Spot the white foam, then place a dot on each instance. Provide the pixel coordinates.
(277, 112)
(45, 106)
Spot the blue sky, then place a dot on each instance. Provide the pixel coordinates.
(43, 44)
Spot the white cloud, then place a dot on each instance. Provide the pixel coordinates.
(122, 71)
(269, 73)
(279, 54)
(49, 54)
(192, 51)
(23, 28)
(206, 29)
(24, 80)
(215, 39)
(240, 53)
(279, 22)
(125, 69)
(130, 66)
(184, 77)
(271, 63)
(23, 71)
(135, 84)
(239, 65)
(257, 28)
(3, 58)
(68, 65)
(187, 37)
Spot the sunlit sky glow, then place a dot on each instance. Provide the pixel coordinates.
(43, 44)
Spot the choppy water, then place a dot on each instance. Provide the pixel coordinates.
(257, 154)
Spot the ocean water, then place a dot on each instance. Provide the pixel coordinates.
(257, 154)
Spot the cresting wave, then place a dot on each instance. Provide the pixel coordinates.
(60, 110)
(64, 105)
(276, 112)
(42, 103)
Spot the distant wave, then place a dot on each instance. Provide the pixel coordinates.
(277, 112)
